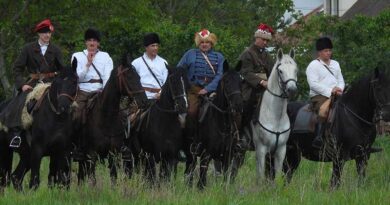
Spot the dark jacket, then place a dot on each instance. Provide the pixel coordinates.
(255, 66)
(32, 59)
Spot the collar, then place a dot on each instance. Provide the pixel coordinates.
(147, 57)
(43, 44)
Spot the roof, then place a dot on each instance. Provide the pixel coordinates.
(366, 7)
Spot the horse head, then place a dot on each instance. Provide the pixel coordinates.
(287, 70)
(130, 85)
(380, 85)
(231, 86)
(64, 89)
(177, 85)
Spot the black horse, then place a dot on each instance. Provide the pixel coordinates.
(103, 134)
(49, 133)
(352, 130)
(158, 132)
(218, 128)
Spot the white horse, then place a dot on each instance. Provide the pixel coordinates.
(272, 129)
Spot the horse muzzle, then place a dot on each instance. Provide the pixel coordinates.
(291, 89)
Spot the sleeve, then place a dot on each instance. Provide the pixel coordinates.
(247, 70)
(108, 67)
(59, 59)
(184, 60)
(81, 69)
(313, 79)
(212, 86)
(340, 79)
(19, 67)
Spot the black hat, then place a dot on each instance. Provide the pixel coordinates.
(323, 43)
(92, 33)
(151, 38)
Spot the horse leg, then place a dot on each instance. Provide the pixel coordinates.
(23, 166)
(260, 162)
(52, 178)
(112, 165)
(63, 169)
(6, 156)
(36, 158)
(338, 165)
(204, 165)
(150, 169)
(278, 159)
(291, 162)
(361, 161)
(238, 160)
(190, 168)
(91, 170)
(81, 174)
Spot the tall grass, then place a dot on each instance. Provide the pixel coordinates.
(310, 185)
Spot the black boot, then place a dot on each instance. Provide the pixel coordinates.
(318, 141)
(16, 140)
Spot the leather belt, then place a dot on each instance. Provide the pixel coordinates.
(152, 90)
(204, 79)
(37, 76)
(94, 81)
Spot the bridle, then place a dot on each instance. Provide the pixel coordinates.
(282, 84)
(175, 97)
(123, 82)
(66, 95)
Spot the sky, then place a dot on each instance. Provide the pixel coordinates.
(305, 6)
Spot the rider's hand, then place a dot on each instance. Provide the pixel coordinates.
(26, 88)
(337, 91)
(264, 83)
(157, 95)
(90, 57)
(202, 92)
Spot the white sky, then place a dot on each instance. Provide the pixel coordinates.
(305, 6)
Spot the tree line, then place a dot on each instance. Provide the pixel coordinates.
(360, 43)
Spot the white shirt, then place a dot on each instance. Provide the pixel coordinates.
(157, 65)
(43, 47)
(103, 64)
(321, 81)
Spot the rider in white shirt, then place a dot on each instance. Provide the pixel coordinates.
(324, 78)
(151, 67)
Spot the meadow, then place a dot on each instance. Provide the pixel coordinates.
(310, 185)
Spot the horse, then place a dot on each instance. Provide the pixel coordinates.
(271, 129)
(103, 133)
(218, 128)
(158, 134)
(351, 132)
(49, 132)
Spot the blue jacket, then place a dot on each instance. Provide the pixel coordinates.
(199, 71)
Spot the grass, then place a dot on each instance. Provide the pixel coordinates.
(310, 185)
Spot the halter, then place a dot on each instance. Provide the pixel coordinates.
(282, 84)
(379, 105)
(53, 107)
(174, 97)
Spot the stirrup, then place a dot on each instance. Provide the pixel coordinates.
(15, 142)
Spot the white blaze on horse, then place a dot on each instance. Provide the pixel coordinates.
(272, 128)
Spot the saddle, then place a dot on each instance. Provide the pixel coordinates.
(32, 103)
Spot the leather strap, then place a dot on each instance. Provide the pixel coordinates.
(208, 61)
(94, 67)
(151, 72)
(152, 90)
(36, 76)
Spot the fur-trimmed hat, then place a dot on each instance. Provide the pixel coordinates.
(92, 33)
(205, 35)
(44, 26)
(323, 43)
(264, 31)
(151, 38)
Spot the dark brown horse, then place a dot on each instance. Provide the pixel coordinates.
(103, 134)
(352, 131)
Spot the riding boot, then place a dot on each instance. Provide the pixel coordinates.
(16, 140)
(318, 141)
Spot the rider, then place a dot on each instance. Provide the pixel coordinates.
(151, 67)
(256, 66)
(42, 60)
(205, 69)
(94, 69)
(325, 79)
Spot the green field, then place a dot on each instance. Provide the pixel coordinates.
(309, 186)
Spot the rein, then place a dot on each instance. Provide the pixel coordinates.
(282, 85)
(123, 82)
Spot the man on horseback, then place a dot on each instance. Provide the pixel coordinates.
(93, 68)
(205, 70)
(255, 67)
(151, 67)
(325, 79)
(42, 60)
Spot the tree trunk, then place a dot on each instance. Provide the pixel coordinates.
(3, 77)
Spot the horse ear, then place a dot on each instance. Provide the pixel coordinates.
(225, 66)
(292, 53)
(280, 54)
(74, 64)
